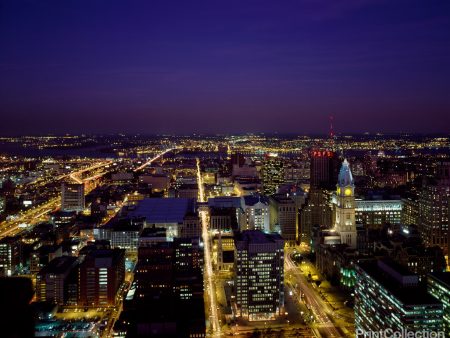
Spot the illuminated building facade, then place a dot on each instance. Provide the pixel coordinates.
(410, 210)
(439, 287)
(387, 296)
(345, 224)
(257, 213)
(434, 209)
(376, 213)
(272, 174)
(259, 280)
(10, 255)
(72, 197)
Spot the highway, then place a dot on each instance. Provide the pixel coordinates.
(39, 213)
(208, 274)
(75, 175)
(153, 159)
(320, 309)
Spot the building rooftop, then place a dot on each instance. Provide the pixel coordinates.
(257, 237)
(153, 232)
(163, 210)
(282, 198)
(443, 277)
(59, 265)
(254, 199)
(225, 202)
(413, 294)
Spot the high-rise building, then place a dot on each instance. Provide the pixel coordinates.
(257, 213)
(389, 297)
(410, 209)
(317, 212)
(272, 174)
(345, 206)
(439, 287)
(2, 205)
(259, 281)
(324, 169)
(100, 276)
(57, 281)
(434, 208)
(167, 292)
(72, 197)
(10, 255)
(284, 217)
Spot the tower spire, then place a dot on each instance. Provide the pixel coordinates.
(331, 117)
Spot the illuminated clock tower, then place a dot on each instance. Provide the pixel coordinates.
(345, 207)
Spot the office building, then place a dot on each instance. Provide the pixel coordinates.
(191, 227)
(317, 212)
(410, 209)
(388, 296)
(434, 201)
(72, 197)
(10, 255)
(257, 213)
(57, 281)
(284, 217)
(272, 174)
(168, 276)
(101, 274)
(168, 213)
(323, 169)
(376, 213)
(223, 219)
(259, 280)
(439, 287)
(121, 233)
(187, 191)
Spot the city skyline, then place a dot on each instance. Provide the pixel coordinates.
(377, 66)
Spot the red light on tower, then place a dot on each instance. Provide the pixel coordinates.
(331, 127)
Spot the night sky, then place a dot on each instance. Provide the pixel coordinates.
(224, 66)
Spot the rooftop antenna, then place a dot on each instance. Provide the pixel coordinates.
(331, 117)
(332, 136)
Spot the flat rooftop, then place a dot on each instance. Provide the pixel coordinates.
(257, 237)
(408, 295)
(59, 265)
(443, 277)
(163, 210)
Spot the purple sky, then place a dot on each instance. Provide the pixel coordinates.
(224, 66)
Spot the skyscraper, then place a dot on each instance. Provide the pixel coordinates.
(324, 169)
(259, 281)
(272, 174)
(434, 201)
(72, 197)
(317, 211)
